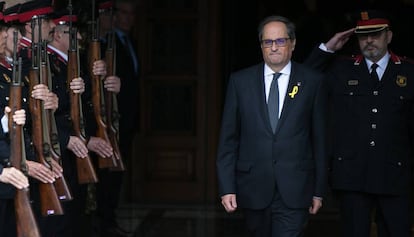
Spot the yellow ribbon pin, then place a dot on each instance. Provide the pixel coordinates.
(294, 92)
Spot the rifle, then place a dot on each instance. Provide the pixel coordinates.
(25, 220)
(50, 129)
(86, 171)
(97, 99)
(49, 201)
(111, 104)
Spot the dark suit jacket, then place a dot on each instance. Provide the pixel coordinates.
(128, 97)
(372, 124)
(252, 160)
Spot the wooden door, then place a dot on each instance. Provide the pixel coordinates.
(180, 86)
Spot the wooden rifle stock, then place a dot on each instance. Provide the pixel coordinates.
(110, 103)
(49, 201)
(94, 55)
(86, 171)
(61, 186)
(25, 219)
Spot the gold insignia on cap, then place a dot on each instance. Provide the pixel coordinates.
(401, 81)
(6, 77)
(364, 16)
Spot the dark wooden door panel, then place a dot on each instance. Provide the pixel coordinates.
(174, 152)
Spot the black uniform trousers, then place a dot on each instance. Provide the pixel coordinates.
(7, 218)
(357, 210)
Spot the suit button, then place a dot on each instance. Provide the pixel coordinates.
(274, 161)
(375, 93)
(374, 110)
(339, 158)
(372, 143)
(399, 163)
(373, 126)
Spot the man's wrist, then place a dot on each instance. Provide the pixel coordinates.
(323, 47)
(318, 198)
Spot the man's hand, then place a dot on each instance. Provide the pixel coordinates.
(229, 202)
(316, 205)
(40, 172)
(19, 116)
(112, 84)
(339, 39)
(57, 170)
(14, 177)
(77, 85)
(41, 92)
(77, 146)
(100, 147)
(99, 68)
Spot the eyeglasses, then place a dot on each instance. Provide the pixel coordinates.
(280, 42)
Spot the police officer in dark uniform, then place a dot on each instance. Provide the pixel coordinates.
(70, 146)
(10, 177)
(21, 15)
(372, 130)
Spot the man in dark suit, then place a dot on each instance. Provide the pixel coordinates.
(372, 130)
(271, 159)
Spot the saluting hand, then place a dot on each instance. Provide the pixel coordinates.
(339, 39)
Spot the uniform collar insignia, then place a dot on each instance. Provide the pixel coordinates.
(401, 81)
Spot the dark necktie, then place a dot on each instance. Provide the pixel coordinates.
(273, 102)
(374, 74)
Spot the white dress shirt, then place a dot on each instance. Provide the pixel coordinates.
(283, 82)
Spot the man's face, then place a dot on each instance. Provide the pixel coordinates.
(62, 37)
(10, 40)
(276, 56)
(125, 16)
(46, 30)
(374, 45)
(3, 39)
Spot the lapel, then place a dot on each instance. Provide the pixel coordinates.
(258, 87)
(295, 87)
(391, 74)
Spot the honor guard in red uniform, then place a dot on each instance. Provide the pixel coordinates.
(10, 177)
